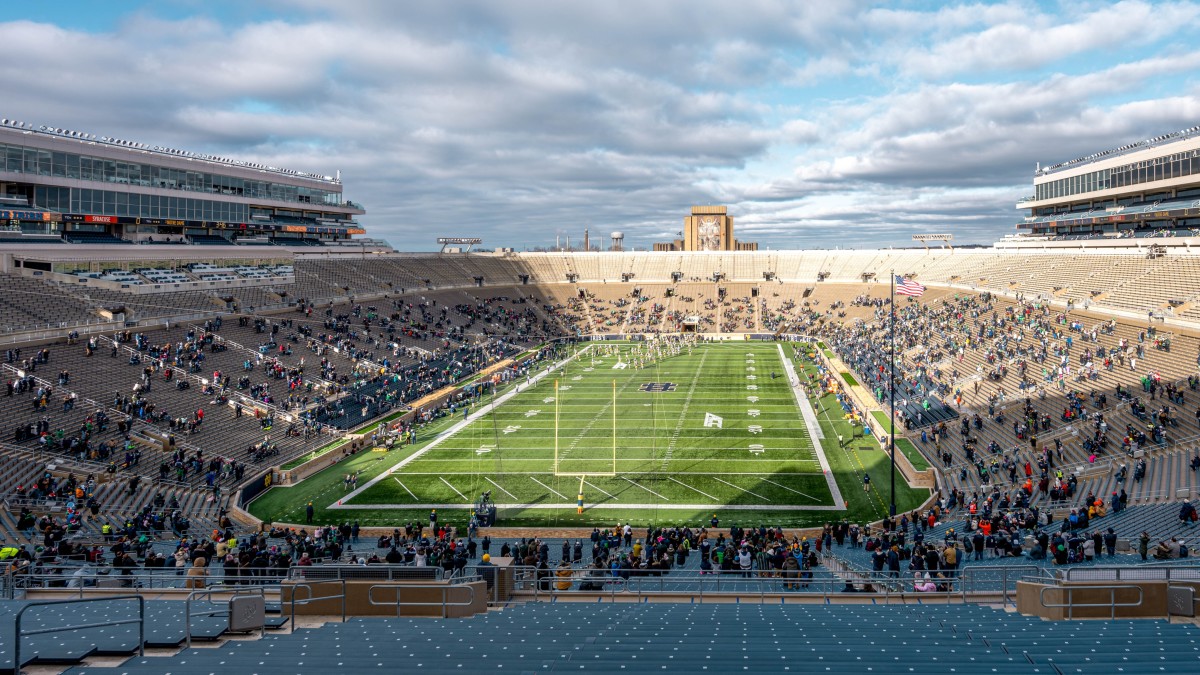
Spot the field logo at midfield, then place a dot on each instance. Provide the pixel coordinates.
(711, 420)
(658, 387)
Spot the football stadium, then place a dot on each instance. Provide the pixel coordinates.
(237, 375)
(242, 433)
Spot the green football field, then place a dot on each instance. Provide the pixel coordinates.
(714, 429)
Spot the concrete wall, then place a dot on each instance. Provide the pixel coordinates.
(1153, 600)
(358, 594)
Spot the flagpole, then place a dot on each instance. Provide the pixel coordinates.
(892, 428)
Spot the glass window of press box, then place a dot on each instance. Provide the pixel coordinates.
(1177, 165)
(23, 159)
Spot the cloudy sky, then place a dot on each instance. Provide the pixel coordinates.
(820, 124)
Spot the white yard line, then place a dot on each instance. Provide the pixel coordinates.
(459, 426)
(687, 403)
(768, 480)
(644, 488)
(561, 495)
(694, 489)
(608, 494)
(452, 487)
(741, 488)
(410, 493)
(499, 488)
(611, 506)
(635, 474)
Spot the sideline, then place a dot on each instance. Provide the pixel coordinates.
(810, 420)
(609, 506)
(448, 433)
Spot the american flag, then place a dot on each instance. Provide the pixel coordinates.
(908, 287)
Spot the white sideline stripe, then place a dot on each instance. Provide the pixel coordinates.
(814, 427)
(805, 494)
(459, 426)
(608, 494)
(499, 488)
(452, 487)
(627, 473)
(548, 487)
(410, 494)
(611, 506)
(644, 488)
(741, 488)
(695, 489)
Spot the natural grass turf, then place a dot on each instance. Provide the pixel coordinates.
(286, 504)
(334, 445)
(861, 454)
(684, 472)
(903, 444)
(850, 379)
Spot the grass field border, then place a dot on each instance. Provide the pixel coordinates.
(848, 461)
(905, 446)
(319, 452)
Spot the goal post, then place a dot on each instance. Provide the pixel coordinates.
(612, 468)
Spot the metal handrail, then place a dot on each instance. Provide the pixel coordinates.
(310, 599)
(971, 572)
(737, 583)
(334, 571)
(260, 357)
(1112, 603)
(426, 587)
(18, 634)
(187, 617)
(145, 579)
(1164, 571)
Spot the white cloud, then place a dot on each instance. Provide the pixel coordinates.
(1033, 39)
(521, 119)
